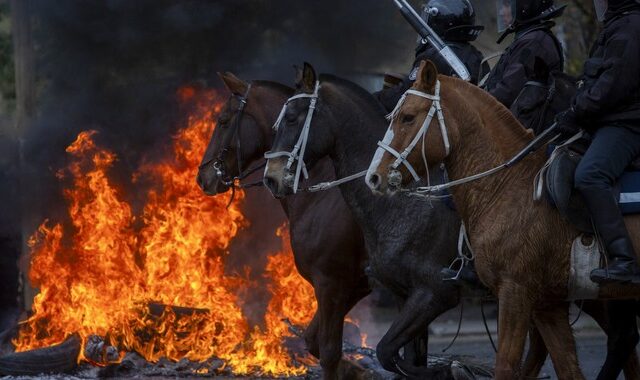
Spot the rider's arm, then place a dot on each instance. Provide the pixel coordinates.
(614, 78)
(517, 73)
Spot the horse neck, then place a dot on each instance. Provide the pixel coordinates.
(489, 136)
(356, 129)
(270, 101)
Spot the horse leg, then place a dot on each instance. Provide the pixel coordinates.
(311, 335)
(553, 324)
(416, 351)
(335, 299)
(418, 311)
(619, 322)
(536, 356)
(513, 324)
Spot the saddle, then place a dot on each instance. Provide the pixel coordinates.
(558, 176)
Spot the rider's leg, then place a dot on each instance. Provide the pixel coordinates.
(611, 151)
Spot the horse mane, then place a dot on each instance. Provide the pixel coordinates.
(356, 90)
(274, 86)
(493, 113)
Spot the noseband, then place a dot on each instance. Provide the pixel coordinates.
(297, 153)
(395, 178)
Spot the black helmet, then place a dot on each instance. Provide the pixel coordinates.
(452, 20)
(613, 6)
(514, 15)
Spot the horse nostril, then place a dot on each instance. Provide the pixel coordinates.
(374, 181)
(270, 183)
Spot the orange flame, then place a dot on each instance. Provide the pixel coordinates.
(99, 275)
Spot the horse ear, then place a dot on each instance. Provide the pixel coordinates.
(306, 78)
(234, 84)
(427, 76)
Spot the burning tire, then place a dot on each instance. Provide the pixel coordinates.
(60, 358)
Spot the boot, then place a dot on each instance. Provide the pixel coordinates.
(622, 264)
(609, 224)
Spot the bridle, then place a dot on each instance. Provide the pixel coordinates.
(218, 162)
(395, 177)
(297, 153)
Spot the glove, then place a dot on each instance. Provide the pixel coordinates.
(567, 123)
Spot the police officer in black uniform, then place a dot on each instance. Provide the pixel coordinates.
(531, 22)
(607, 105)
(455, 22)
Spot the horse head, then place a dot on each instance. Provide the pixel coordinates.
(242, 133)
(418, 136)
(297, 145)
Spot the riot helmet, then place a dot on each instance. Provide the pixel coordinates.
(452, 20)
(601, 8)
(613, 6)
(513, 13)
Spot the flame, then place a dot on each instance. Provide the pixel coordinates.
(292, 298)
(99, 274)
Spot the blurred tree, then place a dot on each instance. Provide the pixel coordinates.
(7, 72)
(581, 28)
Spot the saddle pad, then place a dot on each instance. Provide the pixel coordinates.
(584, 259)
(629, 199)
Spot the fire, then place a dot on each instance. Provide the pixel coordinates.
(100, 273)
(293, 298)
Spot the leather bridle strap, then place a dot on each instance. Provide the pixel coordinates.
(218, 162)
(297, 153)
(435, 110)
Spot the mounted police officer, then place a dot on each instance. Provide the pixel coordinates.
(534, 44)
(607, 105)
(455, 22)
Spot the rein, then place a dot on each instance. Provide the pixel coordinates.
(545, 137)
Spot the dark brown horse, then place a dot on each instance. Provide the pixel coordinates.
(327, 243)
(522, 246)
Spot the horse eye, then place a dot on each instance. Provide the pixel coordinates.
(291, 117)
(408, 118)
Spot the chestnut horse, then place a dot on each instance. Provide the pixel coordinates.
(522, 247)
(327, 243)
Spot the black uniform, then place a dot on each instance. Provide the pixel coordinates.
(608, 105)
(468, 54)
(516, 66)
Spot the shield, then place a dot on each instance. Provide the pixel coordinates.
(601, 8)
(505, 10)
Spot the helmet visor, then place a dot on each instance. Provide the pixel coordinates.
(505, 10)
(601, 8)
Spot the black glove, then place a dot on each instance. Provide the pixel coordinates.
(567, 123)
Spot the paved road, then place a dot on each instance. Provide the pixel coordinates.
(473, 341)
